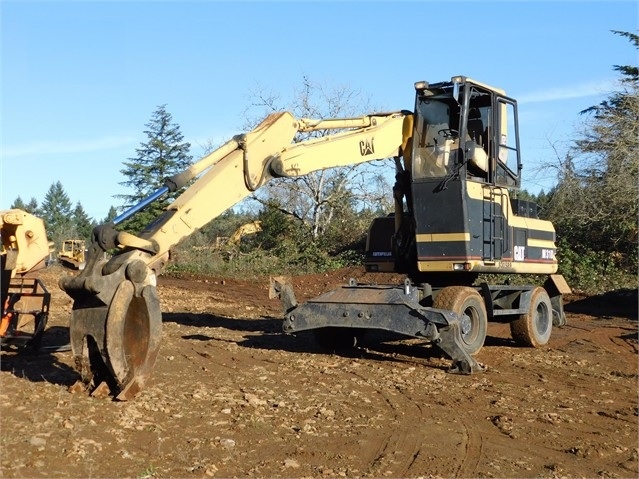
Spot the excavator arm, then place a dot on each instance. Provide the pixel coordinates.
(244, 230)
(116, 319)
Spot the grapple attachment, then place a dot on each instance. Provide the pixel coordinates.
(116, 323)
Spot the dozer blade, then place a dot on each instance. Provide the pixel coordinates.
(116, 324)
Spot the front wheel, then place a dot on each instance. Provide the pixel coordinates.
(534, 327)
(467, 303)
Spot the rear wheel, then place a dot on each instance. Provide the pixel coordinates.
(534, 327)
(468, 304)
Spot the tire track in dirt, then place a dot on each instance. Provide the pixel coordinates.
(403, 441)
(395, 452)
(473, 447)
(620, 335)
(423, 426)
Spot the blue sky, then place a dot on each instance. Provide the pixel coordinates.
(80, 79)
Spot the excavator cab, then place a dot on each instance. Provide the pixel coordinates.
(464, 127)
(466, 162)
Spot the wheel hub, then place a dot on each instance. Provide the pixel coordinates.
(466, 324)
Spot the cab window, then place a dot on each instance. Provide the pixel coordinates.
(436, 138)
(507, 168)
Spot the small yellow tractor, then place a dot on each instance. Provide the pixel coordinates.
(72, 254)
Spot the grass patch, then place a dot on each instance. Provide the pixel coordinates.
(589, 272)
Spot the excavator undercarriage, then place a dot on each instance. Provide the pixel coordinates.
(393, 308)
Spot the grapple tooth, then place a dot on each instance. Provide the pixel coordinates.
(116, 326)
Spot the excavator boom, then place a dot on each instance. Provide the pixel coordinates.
(269, 152)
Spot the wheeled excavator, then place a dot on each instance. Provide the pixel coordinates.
(458, 167)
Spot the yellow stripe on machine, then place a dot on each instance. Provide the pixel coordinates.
(540, 243)
(499, 266)
(442, 237)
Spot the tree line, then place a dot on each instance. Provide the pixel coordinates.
(595, 203)
(321, 219)
(62, 219)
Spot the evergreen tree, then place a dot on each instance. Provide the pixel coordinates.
(164, 154)
(31, 207)
(19, 204)
(275, 223)
(596, 203)
(111, 215)
(57, 214)
(83, 224)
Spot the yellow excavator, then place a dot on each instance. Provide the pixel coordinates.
(250, 228)
(25, 299)
(458, 168)
(244, 230)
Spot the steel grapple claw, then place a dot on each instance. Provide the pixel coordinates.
(116, 323)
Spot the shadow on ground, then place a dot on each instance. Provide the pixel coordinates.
(619, 303)
(266, 333)
(44, 364)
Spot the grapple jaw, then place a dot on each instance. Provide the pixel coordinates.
(116, 322)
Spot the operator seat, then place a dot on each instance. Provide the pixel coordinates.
(479, 160)
(476, 127)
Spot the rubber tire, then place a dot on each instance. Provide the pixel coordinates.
(534, 328)
(337, 339)
(466, 300)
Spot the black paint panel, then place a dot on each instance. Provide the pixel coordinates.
(442, 210)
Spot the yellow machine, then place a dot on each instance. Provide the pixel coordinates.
(72, 253)
(457, 158)
(24, 298)
(246, 229)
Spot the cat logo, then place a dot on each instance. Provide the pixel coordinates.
(366, 147)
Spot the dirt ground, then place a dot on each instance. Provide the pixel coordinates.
(232, 396)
